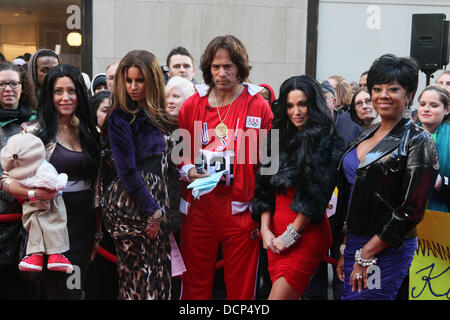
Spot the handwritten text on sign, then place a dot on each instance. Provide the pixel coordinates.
(430, 269)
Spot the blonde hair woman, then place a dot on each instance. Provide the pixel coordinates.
(343, 89)
(178, 89)
(444, 80)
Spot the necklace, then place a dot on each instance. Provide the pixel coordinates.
(221, 129)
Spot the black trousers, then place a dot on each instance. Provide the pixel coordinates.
(80, 224)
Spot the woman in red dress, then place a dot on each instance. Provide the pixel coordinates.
(291, 203)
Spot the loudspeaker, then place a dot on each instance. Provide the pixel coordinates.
(430, 40)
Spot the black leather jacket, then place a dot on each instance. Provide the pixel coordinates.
(393, 184)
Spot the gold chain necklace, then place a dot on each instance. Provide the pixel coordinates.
(221, 129)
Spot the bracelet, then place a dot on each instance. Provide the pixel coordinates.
(98, 236)
(155, 218)
(342, 248)
(31, 195)
(153, 221)
(364, 262)
(290, 236)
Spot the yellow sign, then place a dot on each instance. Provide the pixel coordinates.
(429, 275)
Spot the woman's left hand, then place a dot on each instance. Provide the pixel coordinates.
(340, 268)
(279, 244)
(358, 277)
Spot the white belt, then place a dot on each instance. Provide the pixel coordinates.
(236, 206)
(74, 186)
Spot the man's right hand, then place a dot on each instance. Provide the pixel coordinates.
(193, 174)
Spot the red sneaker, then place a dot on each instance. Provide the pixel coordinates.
(57, 262)
(31, 263)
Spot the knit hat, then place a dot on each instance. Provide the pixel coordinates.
(98, 79)
(19, 62)
(22, 155)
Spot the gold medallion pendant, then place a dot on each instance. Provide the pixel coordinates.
(221, 130)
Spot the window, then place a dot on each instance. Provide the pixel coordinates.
(61, 25)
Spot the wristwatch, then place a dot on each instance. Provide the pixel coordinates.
(342, 249)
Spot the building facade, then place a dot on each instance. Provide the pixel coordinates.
(353, 33)
(283, 38)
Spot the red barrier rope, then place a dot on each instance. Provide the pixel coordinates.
(330, 260)
(10, 217)
(107, 255)
(112, 258)
(219, 264)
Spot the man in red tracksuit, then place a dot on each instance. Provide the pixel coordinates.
(226, 120)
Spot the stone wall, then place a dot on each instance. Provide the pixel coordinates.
(274, 32)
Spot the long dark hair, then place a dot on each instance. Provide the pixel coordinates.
(48, 117)
(318, 113)
(301, 143)
(95, 101)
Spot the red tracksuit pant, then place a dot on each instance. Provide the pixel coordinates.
(209, 223)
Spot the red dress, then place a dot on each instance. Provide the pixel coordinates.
(298, 263)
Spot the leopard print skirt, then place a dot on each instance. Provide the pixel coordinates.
(144, 264)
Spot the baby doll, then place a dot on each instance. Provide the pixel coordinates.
(23, 160)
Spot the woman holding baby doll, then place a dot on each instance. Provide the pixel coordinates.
(65, 127)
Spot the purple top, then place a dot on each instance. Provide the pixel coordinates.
(132, 142)
(70, 162)
(350, 165)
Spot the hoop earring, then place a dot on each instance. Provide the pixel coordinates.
(75, 122)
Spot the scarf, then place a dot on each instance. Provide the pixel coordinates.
(442, 140)
(21, 114)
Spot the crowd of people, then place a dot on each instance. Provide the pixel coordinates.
(134, 140)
